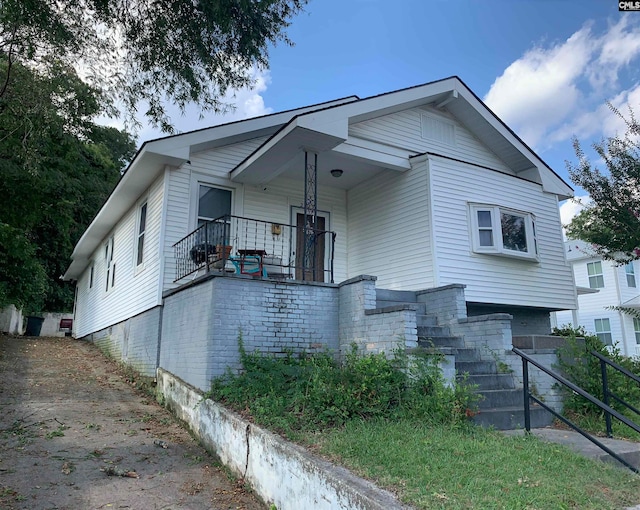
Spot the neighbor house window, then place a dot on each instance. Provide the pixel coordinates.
(110, 264)
(596, 279)
(502, 231)
(631, 275)
(142, 227)
(636, 328)
(603, 331)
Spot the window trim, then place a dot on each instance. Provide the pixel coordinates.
(604, 331)
(110, 265)
(629, 271)
(139, 264)
(595, 275)
(497, 247)
(636, 329)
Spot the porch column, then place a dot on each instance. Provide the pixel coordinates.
(310, 213)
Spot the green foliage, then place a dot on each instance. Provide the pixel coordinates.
(56, 170)
(141, 53)
(310, 392)
(611, 222)
(583, 369)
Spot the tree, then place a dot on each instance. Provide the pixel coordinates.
(56, 170)
(139, 53)
(611, 222)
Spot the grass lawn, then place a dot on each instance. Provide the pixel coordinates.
(473, 468)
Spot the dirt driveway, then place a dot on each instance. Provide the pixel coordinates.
(74, 434)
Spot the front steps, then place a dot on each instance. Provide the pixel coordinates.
(502, 404)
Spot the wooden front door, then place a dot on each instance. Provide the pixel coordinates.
(315, 274)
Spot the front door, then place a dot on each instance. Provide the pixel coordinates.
(315, 273)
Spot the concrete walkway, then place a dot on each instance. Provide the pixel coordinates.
(628, 450)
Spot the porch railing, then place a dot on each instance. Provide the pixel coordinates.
(236, 244)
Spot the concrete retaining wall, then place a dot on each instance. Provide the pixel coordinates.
(279, 472)
(11, 321)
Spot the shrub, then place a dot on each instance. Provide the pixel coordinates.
(583, 369)
(306, 392)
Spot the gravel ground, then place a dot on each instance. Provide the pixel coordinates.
(76, 434)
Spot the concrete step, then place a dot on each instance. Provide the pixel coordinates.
(476, 367)
(402, 296)
(508, 418)
(433, 331)
(501, 398)
(426, 320)
(467, 354)
(491, 381)
(441, 341)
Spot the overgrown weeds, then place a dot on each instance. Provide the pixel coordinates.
(302, 393)
(583, 369)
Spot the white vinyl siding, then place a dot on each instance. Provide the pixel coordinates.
(133, 292)
(389, 230)
(445, 135)
(491, 279)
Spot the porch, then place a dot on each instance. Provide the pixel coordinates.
(265, 249)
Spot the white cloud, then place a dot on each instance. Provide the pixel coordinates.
(572, 207)
(551, 94)
(248, 103)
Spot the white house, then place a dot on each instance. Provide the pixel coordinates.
(422, 188)
(610, 285)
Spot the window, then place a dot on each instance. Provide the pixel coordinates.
(110, 264)
(636, 328)
(501, 231)
(91, 273)
(596, 279)
(142, 226)
(213, 203)
(603, 331)
(631, 275)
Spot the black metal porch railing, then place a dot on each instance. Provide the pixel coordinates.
(528, 397)
(236, 244)
(607, 394)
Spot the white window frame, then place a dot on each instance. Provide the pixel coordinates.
(110, 265)
(602, 329)
(636, 329)
(140, 236)
(497, 247)
(92, 273)
(595, 283)
(630, 273)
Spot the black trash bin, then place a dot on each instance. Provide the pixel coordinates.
(34, 325)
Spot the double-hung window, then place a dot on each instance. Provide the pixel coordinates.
(142, 227)
(110, 265)
(636, 329)
(502, 231)
(631, 275)
(596, 278)
(603, 331)
(213, 203)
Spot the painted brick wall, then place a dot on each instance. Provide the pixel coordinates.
(134, 341)
(446, 303)
(526, 321)
(202, 323)
(372, 330)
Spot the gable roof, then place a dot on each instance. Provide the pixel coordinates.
(322, 126)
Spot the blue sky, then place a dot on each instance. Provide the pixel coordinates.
(546, 67)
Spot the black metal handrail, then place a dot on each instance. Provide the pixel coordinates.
(528, 397)
(240, 239)
(606, 391)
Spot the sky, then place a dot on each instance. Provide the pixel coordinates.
(546, 67)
